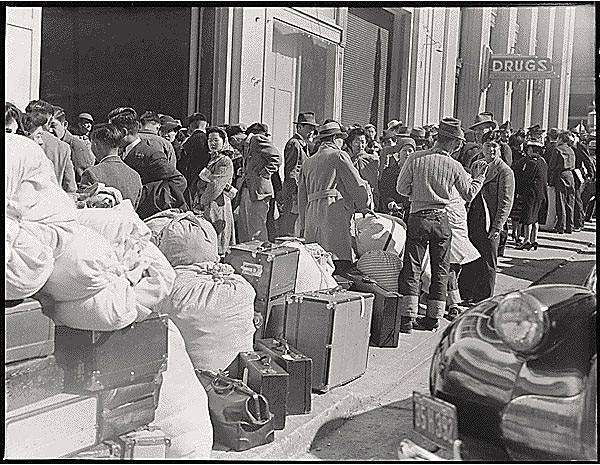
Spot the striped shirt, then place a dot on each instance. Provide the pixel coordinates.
(428, 177)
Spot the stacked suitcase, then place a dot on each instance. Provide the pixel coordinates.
(71, 390)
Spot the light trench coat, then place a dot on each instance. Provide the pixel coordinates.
(462, 251)
(330, 190)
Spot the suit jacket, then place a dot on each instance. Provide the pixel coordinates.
(562, 161)
(113, 172)
(262, 160)
(59, 154)
(81, 154)
(194, 158)
(498, 191)
(160, 143)
(295, 153)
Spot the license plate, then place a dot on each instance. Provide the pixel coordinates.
(435, 419)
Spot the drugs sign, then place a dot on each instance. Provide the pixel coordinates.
(514, 67)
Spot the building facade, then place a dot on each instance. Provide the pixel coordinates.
(246, 64)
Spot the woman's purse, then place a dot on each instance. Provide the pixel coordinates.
(240, 417)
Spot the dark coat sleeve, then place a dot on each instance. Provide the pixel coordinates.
(221, 175)
(506, 192)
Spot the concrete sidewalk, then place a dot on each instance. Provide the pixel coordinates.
(393, 373)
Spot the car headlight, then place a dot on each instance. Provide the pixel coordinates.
(519, 321)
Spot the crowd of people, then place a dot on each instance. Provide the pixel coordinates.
(455, 188)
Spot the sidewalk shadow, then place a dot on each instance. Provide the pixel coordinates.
(376, 435)
(523, 268)
(565, 239)
(547, 246)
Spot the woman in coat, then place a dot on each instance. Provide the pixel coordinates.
(367, 164)
(533, 176)
(215, 190)
(330, 190)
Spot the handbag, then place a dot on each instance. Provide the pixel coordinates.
(240, 417)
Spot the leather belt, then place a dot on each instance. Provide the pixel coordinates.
(323, 194)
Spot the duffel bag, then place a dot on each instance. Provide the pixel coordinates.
(382, 267)
(183, 237)
(240, 417)
(315, 267)
(214, 309)
(380, 232)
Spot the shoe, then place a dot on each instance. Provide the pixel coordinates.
(576, 229)
(426, 324)
(534, 245)
(406, 324)
(556, 231)
(524, 246)
(452, 313)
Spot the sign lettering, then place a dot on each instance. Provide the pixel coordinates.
(514, 67)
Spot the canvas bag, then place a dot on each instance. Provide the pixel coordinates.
(380, 232)
(183, 237)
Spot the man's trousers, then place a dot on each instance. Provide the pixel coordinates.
(253, 218)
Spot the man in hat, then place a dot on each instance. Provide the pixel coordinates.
(81, 153)
(487, 216)
(169, 128)
(428, 178)
(418, 135)
(295, 153)
(330, 190)
(550, 144)
(485, 122)
(261, 161)
(150, 122)
(560, 175)
(505, 131)
(84, 124)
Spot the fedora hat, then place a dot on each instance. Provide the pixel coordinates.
(451, 127)
(484, 120)
(329, 129)
(307, 117)
(393, 124)
(418, 133)
(86, 116)
(258, 128)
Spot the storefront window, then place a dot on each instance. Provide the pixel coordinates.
(301, 69)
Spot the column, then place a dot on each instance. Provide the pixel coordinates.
(474, 35)
(522, 89)
(543, 48)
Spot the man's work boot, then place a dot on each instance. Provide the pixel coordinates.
(426, 323)
(406, 324)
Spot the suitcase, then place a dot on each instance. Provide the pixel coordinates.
(124, 409)
(54, 427)
(240, 417)
(28, 333)
(272, 317)
(151, 443)
(32, 380)
(265, 377)
(385, 323)
(342, 282)
(332, 328)
(97, 360)
(271, 269)
(298, 366)
(107, 450)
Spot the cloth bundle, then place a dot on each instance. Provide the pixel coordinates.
(99, 195)
(213, 308)
(183, 237)
(315, 267)
(380, 232)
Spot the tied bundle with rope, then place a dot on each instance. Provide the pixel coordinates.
(214, 309)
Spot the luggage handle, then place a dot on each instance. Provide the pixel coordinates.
(334, 290)
(283, 345)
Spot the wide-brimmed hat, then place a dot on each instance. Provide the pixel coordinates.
(418, 133)
(369, 125)
(169, 123)
(393, 124)
(86, 116)
(451, 127)
(258, 127)
(402, 141)
(506, 125)
(484, 120)
(329, 129)
(308, 117)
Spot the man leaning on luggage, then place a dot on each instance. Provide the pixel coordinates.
(427, 178)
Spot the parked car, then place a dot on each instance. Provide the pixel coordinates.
(519, 372)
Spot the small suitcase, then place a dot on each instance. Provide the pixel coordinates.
(107, 450)
(240, 417)
(28, 333)
(30, 381)
(263, 376)
(298, 366)
(97, 360)
(151, 443)
(271, 312)
(54, 427)
(385, 324)
(124, 409)
(332, 328)
(271, 269)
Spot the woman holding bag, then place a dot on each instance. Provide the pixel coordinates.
(215, 190)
